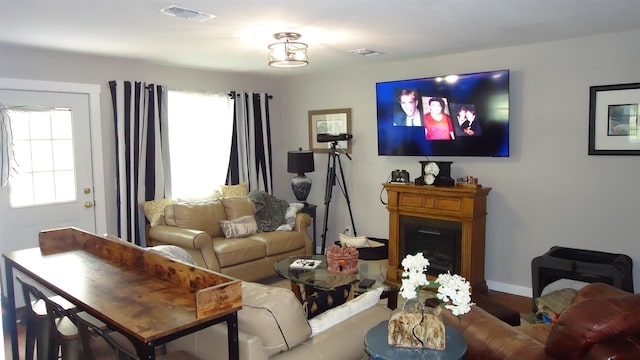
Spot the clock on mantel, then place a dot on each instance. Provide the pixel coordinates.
(437, 173)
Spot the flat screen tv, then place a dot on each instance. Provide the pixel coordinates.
(452, 115)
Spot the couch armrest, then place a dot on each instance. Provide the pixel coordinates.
(197, 243)
(341, 341)
(490, 338)
(598, 290)
(211, 343)
(302, 222)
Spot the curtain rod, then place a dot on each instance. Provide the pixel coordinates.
(233, 94)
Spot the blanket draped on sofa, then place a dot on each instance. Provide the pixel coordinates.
(270, 211)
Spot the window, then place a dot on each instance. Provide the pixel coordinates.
(200, 129)
(43, 148)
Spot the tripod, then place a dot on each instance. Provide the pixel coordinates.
(334, 157)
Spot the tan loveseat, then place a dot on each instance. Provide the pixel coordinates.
(272, 325)
(196, 228)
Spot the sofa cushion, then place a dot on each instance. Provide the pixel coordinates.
(239, 227)
(593, 321)
(238, 206)
(274, 315)
(278, 242)
(321, 301)
(204, 216)
(237, 250)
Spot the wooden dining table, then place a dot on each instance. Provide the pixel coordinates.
(145, 296)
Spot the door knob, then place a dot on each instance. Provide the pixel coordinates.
(87, 190)
(88, 204)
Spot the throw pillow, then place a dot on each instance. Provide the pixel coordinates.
(237, 207)
(290, 217)
(324, 300)
(154, 210)
(344, 311)
(356, 241)
(239, 227)
(239, 190)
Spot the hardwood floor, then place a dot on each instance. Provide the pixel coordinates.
(521, 304)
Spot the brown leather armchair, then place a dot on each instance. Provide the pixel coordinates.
(602, 322)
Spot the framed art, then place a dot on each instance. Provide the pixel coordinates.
(332, 122)
(613, 119)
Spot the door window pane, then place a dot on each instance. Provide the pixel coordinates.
(43, 146)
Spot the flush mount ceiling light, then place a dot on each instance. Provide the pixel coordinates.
(288, 53)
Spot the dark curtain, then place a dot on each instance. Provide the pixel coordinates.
(251, 160)
(140, 117)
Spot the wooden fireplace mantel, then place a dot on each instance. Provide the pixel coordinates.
(464, 204)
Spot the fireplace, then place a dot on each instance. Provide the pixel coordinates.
(438, 240)
(446, 223)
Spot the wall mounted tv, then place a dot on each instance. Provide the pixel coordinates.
(452, 115)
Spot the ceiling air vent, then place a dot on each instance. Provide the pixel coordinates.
(365, 52)
(188, 14)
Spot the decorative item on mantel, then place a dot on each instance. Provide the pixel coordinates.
(413, 325)
(342, 259)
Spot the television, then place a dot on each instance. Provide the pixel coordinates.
(452, 115)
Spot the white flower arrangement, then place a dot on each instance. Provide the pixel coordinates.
(454, 291)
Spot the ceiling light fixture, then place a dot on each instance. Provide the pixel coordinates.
(288, 53)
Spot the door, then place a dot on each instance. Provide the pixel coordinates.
(53, 187)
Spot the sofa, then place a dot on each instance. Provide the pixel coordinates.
(601, 322)
(222, 235)
(272, 324)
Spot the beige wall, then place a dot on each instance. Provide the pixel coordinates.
(548, 192)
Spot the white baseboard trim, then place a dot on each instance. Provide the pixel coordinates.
(509, 288)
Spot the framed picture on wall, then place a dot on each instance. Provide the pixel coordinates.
(331, 122)
(613, 119)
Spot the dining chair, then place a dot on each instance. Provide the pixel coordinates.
(40, 322)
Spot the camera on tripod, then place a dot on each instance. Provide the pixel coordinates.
(324, 138)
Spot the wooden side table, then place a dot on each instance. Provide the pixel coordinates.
(377, 347)
(311, 210)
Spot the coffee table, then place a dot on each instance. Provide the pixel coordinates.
(320, 278)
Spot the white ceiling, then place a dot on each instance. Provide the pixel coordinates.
(237, 39)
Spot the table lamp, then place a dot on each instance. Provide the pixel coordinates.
(300, 162)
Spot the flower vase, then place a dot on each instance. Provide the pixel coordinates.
(415, 326)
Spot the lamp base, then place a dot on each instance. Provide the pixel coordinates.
(301, 186)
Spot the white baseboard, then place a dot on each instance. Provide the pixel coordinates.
(509, 288)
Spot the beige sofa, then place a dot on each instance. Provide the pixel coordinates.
(196, 228)
(272, 325)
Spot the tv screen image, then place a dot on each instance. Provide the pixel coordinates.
(453, 115)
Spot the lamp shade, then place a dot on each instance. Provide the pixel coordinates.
(300, 161)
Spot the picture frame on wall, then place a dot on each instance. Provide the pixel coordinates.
(614, 127)
(332, 122)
